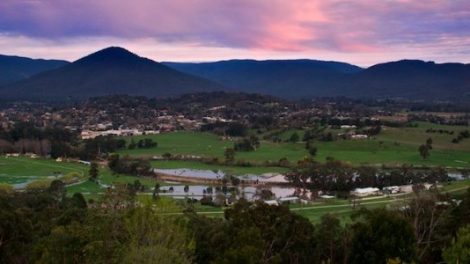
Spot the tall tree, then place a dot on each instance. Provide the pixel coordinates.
(229, 154)
(93, 172)
(424, 151)
(380, 236)
(459, 251)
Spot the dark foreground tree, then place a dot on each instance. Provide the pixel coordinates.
(459, 251)
(379, 236)
(254, 233)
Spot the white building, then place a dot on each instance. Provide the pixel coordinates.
(362, 192)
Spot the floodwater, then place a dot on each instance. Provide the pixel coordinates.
(200, 174)
(218, 175)
(249, 192)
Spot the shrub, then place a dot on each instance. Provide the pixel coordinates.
(38, 185)
(6, 188)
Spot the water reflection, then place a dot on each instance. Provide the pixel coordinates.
(248, 192)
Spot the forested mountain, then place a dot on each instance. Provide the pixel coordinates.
(109, 71)
(14, 68)
(284, 78)
(296, 79)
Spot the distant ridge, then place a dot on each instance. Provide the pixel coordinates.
(15, 68)
(284, 78)
(410, 79)
(113, 70)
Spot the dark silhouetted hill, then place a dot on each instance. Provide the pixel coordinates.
(411, 79)
(14, 68)
(109, 71)
(284, 78)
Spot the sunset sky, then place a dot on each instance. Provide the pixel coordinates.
(362, 32)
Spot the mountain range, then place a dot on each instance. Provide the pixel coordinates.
(115, 70)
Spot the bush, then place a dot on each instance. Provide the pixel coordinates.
(38, 185)
(71, 177)
(206, 200)
(6, 188)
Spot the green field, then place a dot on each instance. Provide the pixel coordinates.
(15, 170)
(189, 143)
(393, 146)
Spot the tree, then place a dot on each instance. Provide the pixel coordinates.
(331, 240)
(282, 236)
(229, 154)
(132, 144)
(254, 141)
(153, 238)
(93, 172)
(57, 189)
(381, 235)
(428, 213)
(429, 143)
(459, 251)
(156, 190)
(312, 150)
(424, 151)
(294, 138)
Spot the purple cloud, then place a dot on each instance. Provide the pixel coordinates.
(306, 27)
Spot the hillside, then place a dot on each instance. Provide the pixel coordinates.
(284, 78)
(14, 68)
(109, 71)
(412, 79)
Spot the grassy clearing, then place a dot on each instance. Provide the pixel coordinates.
(394, 146)
(187, 143)
(375, 151)
(15, 170)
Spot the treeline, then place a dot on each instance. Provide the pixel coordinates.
(250, 143)
(440, 131)
(461, 136)
(126, 165)
(51, 227)
(336, 176)
(142, 143)
(24, 137)
(102, 146)
(232, 129)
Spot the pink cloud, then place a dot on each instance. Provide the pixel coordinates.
(305, 27)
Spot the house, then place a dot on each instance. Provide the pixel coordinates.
(362, 192)
(271, 202)
(392, 189)
(288, 200)
(359, 136)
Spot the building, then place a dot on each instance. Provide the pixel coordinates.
(362, 192)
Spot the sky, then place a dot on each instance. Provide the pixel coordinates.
(362, 32)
